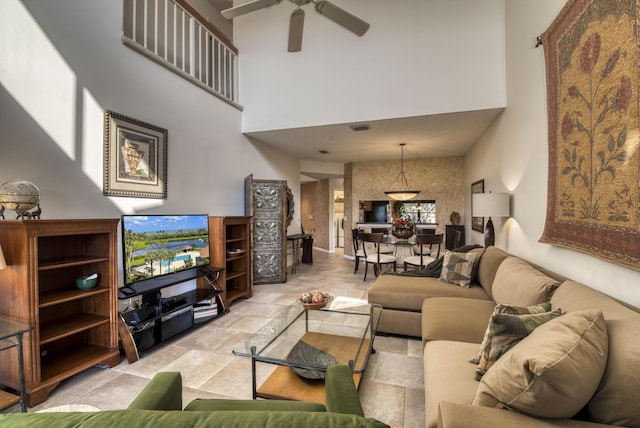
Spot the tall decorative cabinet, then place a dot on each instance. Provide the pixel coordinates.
(230, 247)
(72, 329)
(270, 205)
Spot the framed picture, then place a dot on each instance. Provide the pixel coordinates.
(477, 223)
(135, 157)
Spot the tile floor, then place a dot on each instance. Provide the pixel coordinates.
(392, 388)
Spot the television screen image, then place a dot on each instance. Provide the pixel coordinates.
(156, 245)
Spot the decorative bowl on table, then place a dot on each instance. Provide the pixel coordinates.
(402, 233)
(314, 299)
(304, 353)
(87, 282)
(403, 228)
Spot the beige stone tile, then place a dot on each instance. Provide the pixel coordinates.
(197, 367)
(414, 408)
(390, 344)
(400, 370)
(415, 348)
(233, 380)
(383, 402)
(153, 361)
(78, 385)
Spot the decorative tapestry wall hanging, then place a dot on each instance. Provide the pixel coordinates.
(592, 103)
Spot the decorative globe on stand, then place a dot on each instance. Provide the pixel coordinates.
(20, 196)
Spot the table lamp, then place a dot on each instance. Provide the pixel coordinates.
(490, 205)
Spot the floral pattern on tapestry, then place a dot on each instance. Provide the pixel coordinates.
(592, 96)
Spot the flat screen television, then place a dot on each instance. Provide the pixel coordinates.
(158, 245)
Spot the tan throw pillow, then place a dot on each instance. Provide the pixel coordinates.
(508, 309)
(553, 372)
(505, 332)
(458, 267)
(519, 283)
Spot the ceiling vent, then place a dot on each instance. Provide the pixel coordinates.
(360, 127)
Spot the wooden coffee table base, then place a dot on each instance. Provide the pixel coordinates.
(283, 383)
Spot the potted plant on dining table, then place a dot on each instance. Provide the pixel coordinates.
(403, 228)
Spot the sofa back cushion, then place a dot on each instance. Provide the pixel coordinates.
(488, 266)
(616, 399)
(518, 283)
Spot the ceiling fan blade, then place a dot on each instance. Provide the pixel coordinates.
(342, 17)
(296, 25)
(248, 7)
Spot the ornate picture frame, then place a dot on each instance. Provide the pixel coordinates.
(135, 157)
(477, 223)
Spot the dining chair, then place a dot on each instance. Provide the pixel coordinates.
(385, 248)
(358, 252)
(422, 259)
(377, 259)
(417, 249)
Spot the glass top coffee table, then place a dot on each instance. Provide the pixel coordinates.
(340, 333)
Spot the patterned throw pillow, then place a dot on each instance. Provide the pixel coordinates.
(506, 331)
(511, 310)
(555, 371)
(458, 267)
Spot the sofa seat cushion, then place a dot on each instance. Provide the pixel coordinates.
(408, 293)
(616, 400)
(456, 415)
(551, 373)
(455, 318)
(519, 283)
(159, 418)
(447, 375)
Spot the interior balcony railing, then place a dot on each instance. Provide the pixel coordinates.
(174, 35)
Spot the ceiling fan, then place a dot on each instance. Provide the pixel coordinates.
(296, 23)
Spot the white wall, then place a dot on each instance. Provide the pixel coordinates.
(419, 57)
(513, 156)
(62, 64)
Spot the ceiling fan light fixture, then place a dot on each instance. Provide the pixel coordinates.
(404, 193)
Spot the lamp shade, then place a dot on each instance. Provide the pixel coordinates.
(3, 262)
(490, 205)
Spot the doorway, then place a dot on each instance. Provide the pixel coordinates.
(338, 218)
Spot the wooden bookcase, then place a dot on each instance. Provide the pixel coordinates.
(230, 246)
(72, 329)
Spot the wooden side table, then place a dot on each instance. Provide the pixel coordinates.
(11, 333)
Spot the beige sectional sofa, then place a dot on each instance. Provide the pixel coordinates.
(580, 368)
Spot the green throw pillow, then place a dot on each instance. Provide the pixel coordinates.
(457, 268)
(507, 330)
(511, 310)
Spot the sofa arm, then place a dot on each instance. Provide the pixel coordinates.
(163, 392)
(456, 415)
(341, 395)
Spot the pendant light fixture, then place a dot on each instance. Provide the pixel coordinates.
(402, 194)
